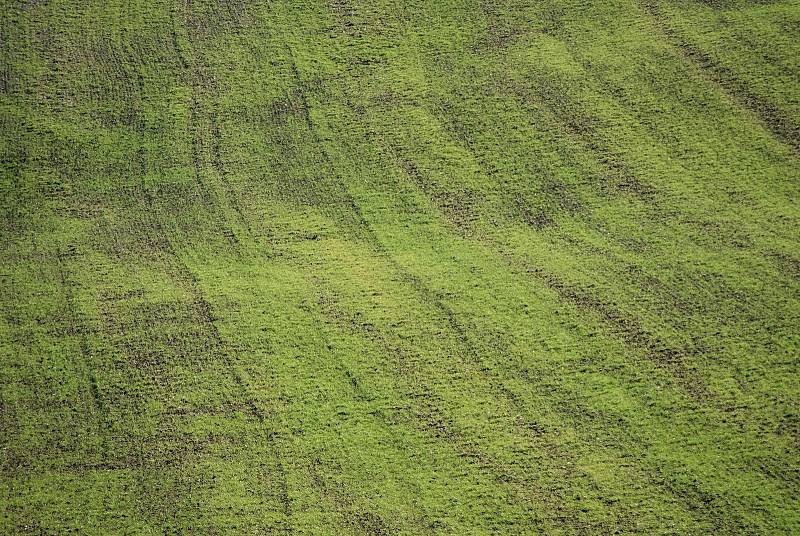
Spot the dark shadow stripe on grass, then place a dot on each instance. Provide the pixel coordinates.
(775, 120)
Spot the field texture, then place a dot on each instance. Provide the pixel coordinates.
(400, 267)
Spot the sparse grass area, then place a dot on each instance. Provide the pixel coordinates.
(451, 267)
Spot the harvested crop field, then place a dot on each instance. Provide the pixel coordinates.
(400, 267)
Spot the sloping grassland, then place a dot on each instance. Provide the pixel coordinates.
(400, 267)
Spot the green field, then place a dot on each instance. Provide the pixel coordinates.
(400, 267)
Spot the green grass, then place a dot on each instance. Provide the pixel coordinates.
(452, 267)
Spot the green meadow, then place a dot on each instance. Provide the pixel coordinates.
(400, 267)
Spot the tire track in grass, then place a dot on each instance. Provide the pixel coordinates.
(632, 333)
(203, 86)
(425, 408)
(88, 362)
(431, 416)
(145, 334)
(634, 336)
(627, 328)
(588, 129)
(70, 264)
(200, 312)
(223, 173)
(297, 102)
(774, 120)
(208, 320)
(432, 420)
(267, 433)
(651, 197)
(618, 177)
(429, 297)
(76, 327)
(367, 521)
(664, 356)
(436, 420)
(372, 238)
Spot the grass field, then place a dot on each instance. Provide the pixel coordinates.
(400, 267)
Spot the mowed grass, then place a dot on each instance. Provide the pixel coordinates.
(452, 267)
